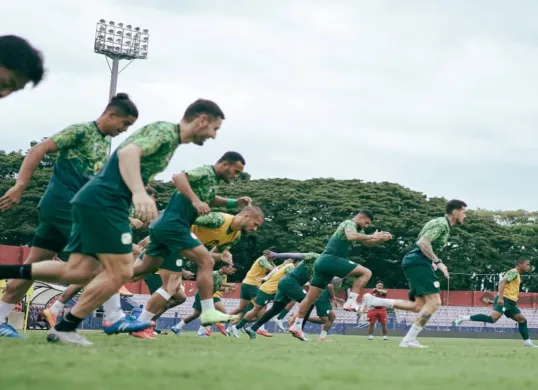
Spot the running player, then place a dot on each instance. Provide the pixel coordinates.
(219, 283)
(101, 226)
(505, 303)
(20, 64)
(378, 313)
(83, 149)
(219, 230)
(266, 294)
(419, 267)
(334, 263)
(250, 287)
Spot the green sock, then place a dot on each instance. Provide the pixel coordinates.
(523, 330)
(282, 314)
(242, 323)
(482, 318)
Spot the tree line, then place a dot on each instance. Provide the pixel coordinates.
(300, 216)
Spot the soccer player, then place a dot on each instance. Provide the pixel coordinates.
(82, 151)
(250, 287)
(101, 227)
(505, 303)
(290, 287)
(266, 294)
(20, 64)
(219, 283)
(333, 262)
(419, 267)
(219, 230)
(378, 313)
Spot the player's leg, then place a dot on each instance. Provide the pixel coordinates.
(195, 314)
(492, 318)
(52, 313)
(171, 282)
(382, 319)
(363, 276)
(372, 319)
(431, 303)
(204, 280)
(515, 314)
(279, 320)
(251, 315)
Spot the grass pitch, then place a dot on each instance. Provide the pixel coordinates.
(348, 362)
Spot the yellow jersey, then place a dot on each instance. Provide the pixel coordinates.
(511, 289)
(214, 229)
(257, 271)
(271, 286)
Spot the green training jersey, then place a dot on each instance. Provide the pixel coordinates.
(179, 211)
(158, 142)
(339, 245)
(218, 280)
(437, 232)
(82, 152)
(305, 270)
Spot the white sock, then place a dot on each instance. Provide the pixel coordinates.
(323, 334)
(383, 302)
(528, 342)
(466, 318)
(146, 316)
(57, 307)
(352, 298)
(113, 310)
(412, 333)
(298, 323)
(180, 325)
(207, 304)
(162, 292)
(5, 309)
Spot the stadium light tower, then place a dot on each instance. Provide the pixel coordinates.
(119, 42)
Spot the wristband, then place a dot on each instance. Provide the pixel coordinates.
(231, 203)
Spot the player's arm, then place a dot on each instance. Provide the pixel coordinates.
(330, 289)
(374, 239)
(65, 139)
(425, 245)
(502, 285)
(230, 203)
(264, 262)
(381, 291)
(283, 256)
(210, 220)
(181, 181)
(270, 274)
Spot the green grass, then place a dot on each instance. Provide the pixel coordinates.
(188, 362)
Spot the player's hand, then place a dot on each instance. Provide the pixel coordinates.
(226, 256)
(144, 243)
(11, 198)
(386, 236)
(201, 207)
(144, 206)
(444, 270)
(500, 302)
(136, 223)
(187, 274)
(268, 254)
(243, 201)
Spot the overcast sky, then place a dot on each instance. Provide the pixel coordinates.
(439, 96)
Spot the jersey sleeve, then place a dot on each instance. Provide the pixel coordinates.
(432, 231)
(310, 257)
(211, 220)
(289, 268)
(69, 137)
(265, 263)
(349, 226)
(511, 275)
(198, 174)
(160, 134)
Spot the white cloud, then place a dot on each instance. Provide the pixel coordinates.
(438, 96)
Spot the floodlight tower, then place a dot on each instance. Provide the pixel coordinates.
(119, 42)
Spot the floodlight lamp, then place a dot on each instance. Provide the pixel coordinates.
(146, 30)
(110, 39)
(129, 26)
(120, 24)
(145, 39)
(102, 21)
(128, 34)
(127, 42)
(111, 23)
(137, 28)
(111, 30)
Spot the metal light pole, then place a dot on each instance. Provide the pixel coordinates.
(117, 42)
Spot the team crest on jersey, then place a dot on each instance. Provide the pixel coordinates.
(194, 236)
(126, 239)
(179, 263)
(436, 284)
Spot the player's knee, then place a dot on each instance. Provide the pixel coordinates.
(206, 262)
(179, 299)
(366, 274)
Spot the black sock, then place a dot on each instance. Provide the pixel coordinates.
(273, 311)
(69, 323)
(23, 271)
(307, 316)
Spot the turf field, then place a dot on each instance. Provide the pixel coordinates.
(188, 362)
